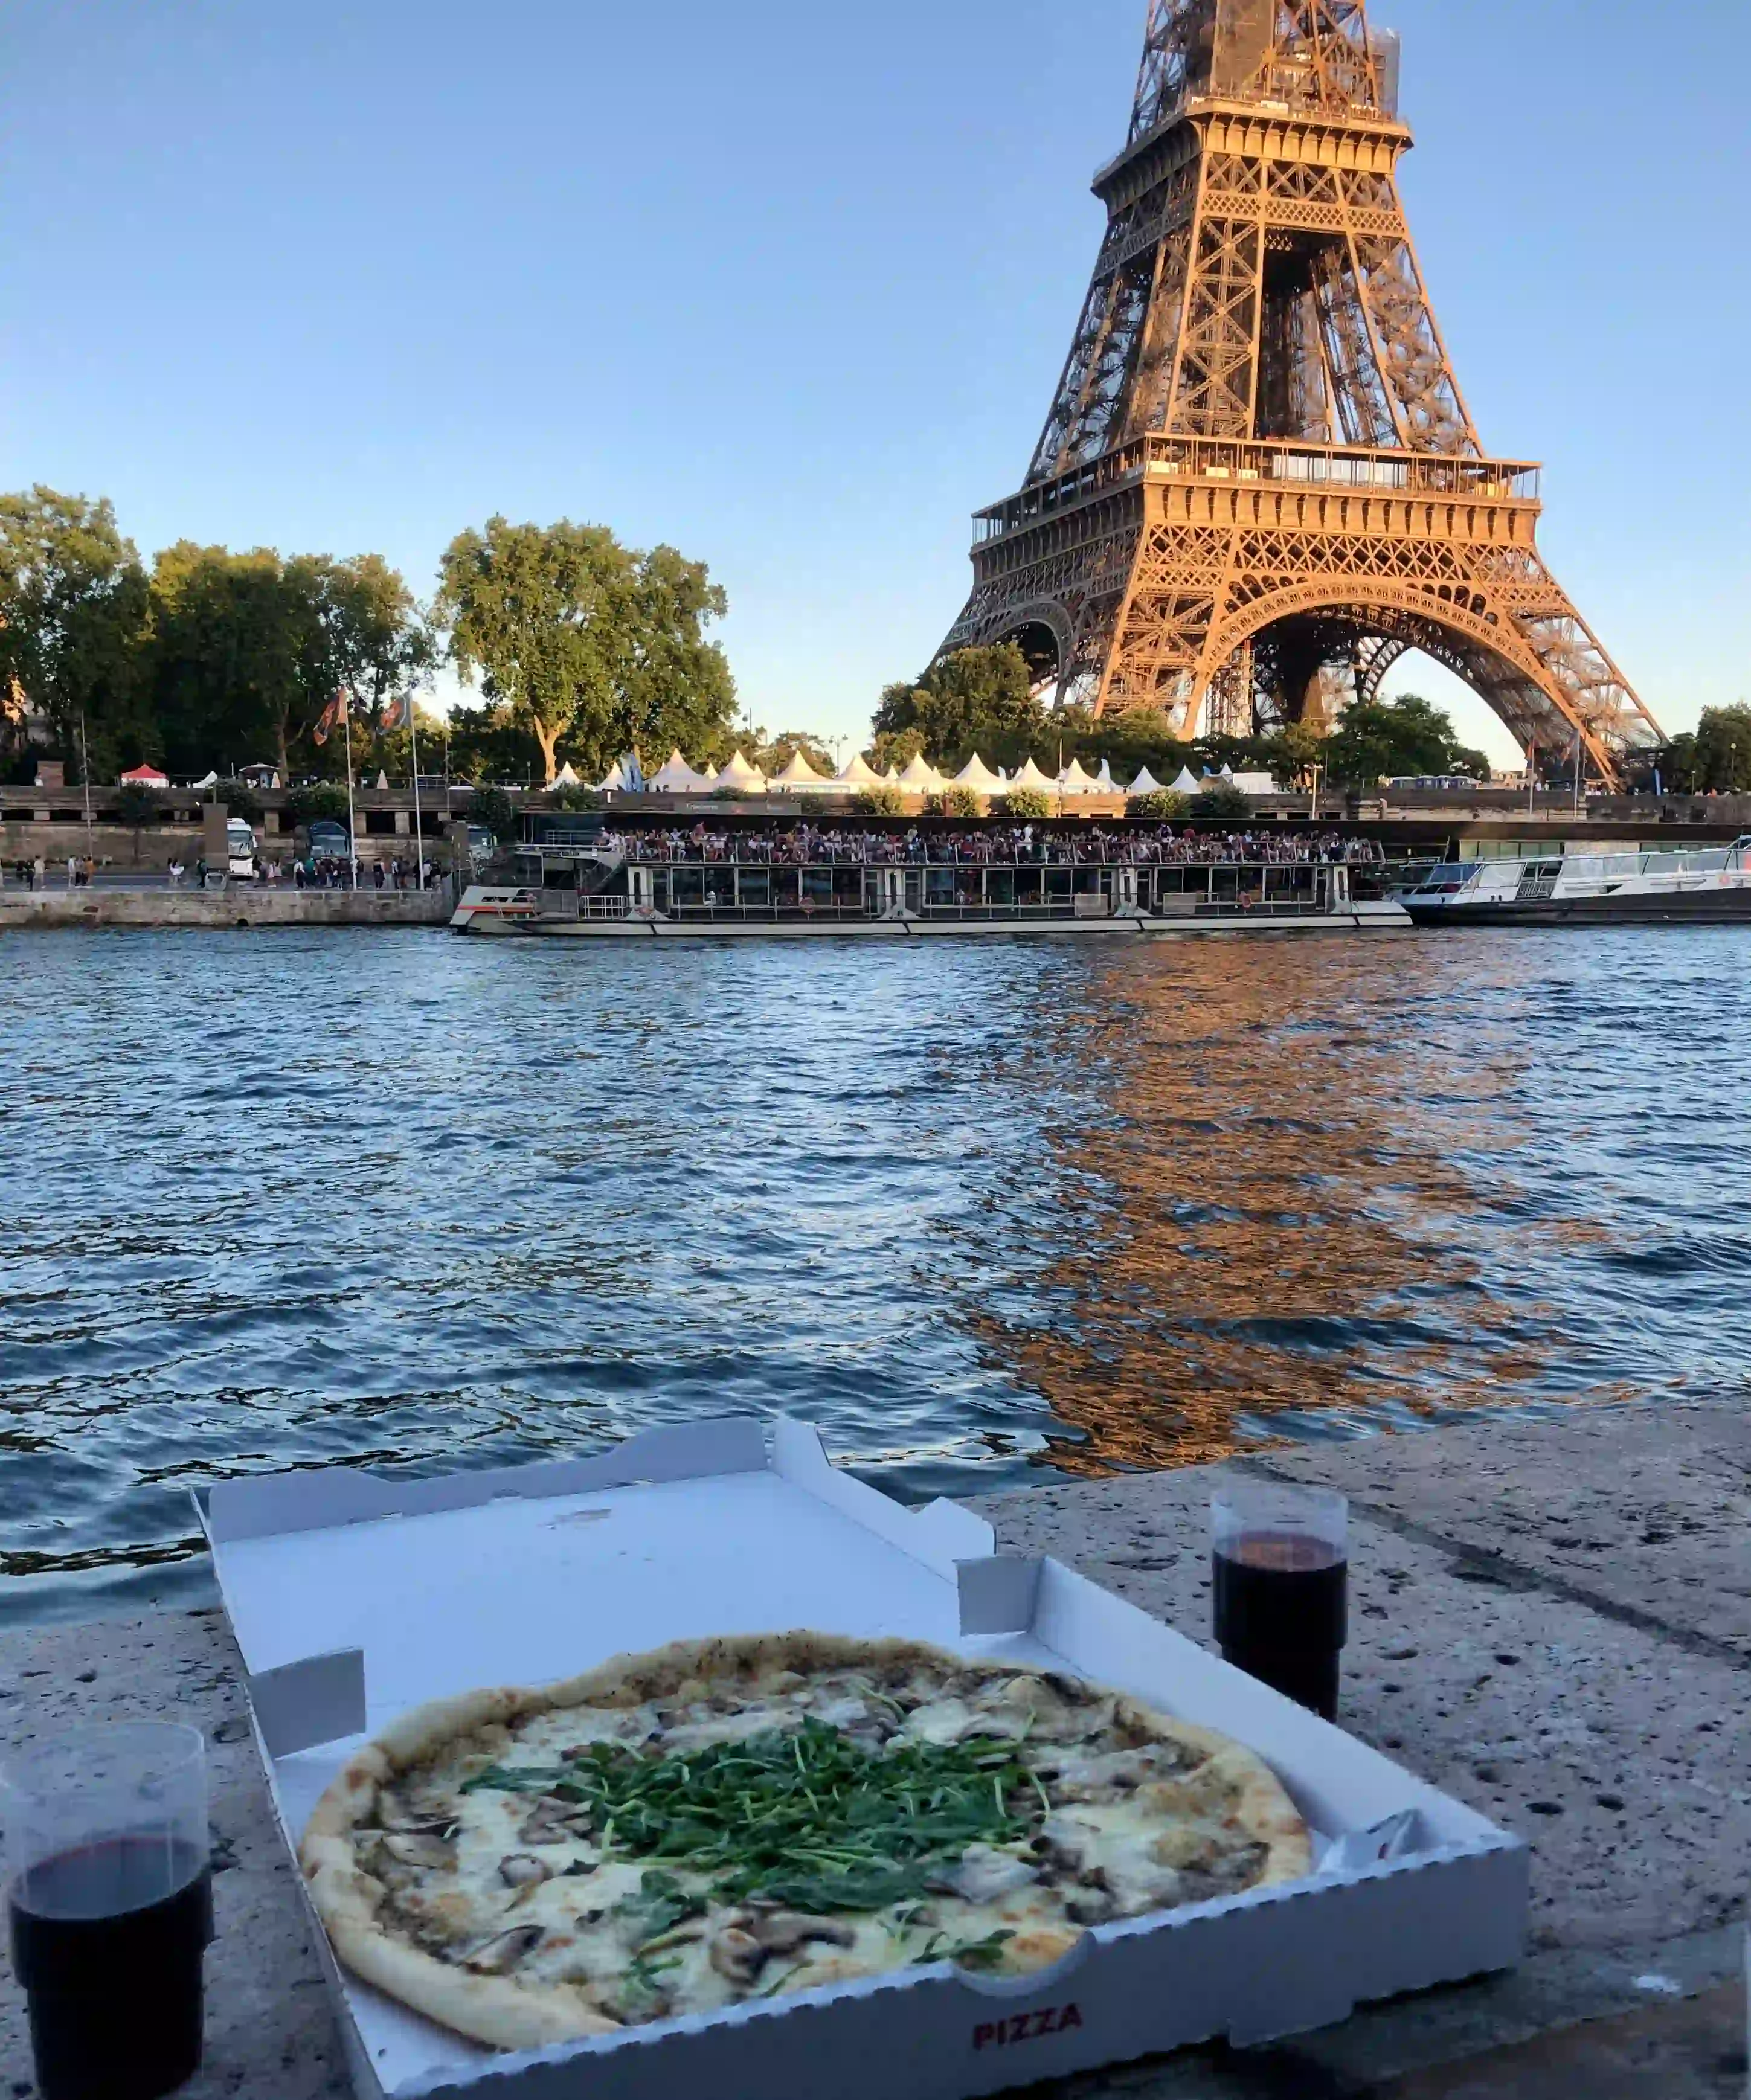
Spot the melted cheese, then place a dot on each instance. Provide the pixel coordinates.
(1134, 1829)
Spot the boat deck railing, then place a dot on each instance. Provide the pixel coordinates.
(975, 892)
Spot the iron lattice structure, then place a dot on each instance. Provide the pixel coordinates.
(1259, 484)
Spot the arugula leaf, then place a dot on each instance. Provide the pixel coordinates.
(804, 1817)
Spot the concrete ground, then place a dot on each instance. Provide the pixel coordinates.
(1553, 1623)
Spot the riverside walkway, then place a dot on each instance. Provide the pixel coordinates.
(1552, 1621)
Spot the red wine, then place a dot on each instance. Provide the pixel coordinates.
(107, 1942)
(1282, 1613)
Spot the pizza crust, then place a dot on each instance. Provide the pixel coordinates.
(510, 2013)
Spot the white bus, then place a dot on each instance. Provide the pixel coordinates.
(240, 850)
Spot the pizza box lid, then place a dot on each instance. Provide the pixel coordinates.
(354, 1598)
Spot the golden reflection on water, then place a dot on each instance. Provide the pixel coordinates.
(1286, 1208)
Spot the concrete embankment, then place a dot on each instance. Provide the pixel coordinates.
(98, 906)
(1552, 1621)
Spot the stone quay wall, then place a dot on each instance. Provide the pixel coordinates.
(240, 906)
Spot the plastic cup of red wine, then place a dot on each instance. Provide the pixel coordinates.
(1281, 1560)
(109, 1895)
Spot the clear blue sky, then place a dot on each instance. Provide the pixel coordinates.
(790, 286)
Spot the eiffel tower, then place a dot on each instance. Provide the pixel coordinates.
(1259, 485)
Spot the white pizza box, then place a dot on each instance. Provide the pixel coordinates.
(354, 1598)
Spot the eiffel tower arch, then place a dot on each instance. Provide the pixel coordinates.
(1259, 484)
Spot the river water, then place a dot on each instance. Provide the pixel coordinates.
(988, 1213)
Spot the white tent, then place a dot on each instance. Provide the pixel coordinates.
(1104, 780)
(210, 780)
(1073, 780)
(675, 777)
(1185, 784)
(1145, 783)
(612, 783)
(891, 777)
(744, 778)
(567, 777)
(800, 778)
(859, 773)
(923, 777)
(1030, 776)
(978, 776)
(1253, 784)
(382, 780)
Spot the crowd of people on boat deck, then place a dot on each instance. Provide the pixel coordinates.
(805, 844)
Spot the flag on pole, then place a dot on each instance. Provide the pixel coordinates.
(330, 718)
(398, 713)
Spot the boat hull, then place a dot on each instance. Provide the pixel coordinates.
(1703, 907)
(1370, 918)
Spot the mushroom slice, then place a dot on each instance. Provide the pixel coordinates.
(549, 1823)
(786, 1930)
(1090, 1905)
(429, 1852)
(499, 1955)
(738, 1956)
(523, 1870)
(985, 1874)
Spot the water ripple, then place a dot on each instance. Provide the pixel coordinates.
(988, 1214)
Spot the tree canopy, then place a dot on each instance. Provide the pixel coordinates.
(977, 699)
(981, 699)
(1386, 739)
(245, 651)
(1716, 760)
(584, 643)
(73, 603)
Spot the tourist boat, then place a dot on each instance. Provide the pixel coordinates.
(603, 893)
(1709, 886)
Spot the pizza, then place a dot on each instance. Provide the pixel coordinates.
(740, 1818)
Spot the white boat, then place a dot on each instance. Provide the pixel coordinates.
(591, 891)
(1711, 885)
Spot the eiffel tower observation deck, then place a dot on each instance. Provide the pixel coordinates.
(1259, 485)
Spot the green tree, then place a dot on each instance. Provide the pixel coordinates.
(247, 649)
(1165, 806)
(321, 800)
(772, 754)
(486, 744)
(587, 643)
(977, 700)
(495, 811)
(72, 610)
(380, 641)
(1290, 755)
(240, 799)
(1720, 758)
(136, 807)
(1385, 740)
(1221, 802)
(883, 799)
(1028, 803)
(897, 748)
